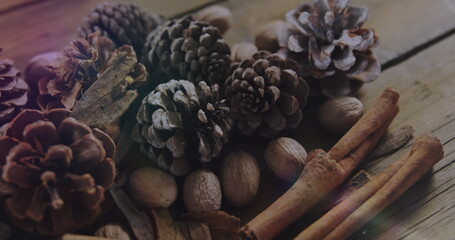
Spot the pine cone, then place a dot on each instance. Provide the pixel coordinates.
(124, 23)
(327, 39)
(179, 121)
(60, 170)
(187, 49)
(266, 94)
(13, 91)
(81, 66)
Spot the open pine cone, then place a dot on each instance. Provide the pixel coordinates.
(187, 49)
(327, 39)
(59, 168)
(179, 121)
(124, 23)
(83, 62)
(13, 91)
(265, 94)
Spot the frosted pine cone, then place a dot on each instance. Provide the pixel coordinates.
(327, 39)
(59, 170)
(124, 23)
(265, 94)
(187, 49)
(13, 91)
(178, 122)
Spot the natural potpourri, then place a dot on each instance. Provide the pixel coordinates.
(143, 117)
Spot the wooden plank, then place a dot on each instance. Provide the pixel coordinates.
(426, 83)
(52, 24)
(8, 5)
(401, 25)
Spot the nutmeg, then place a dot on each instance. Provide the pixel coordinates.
(338, 115)
(113, 231)
(239, 176)
(285, 157)
(152, 187)
(267, 37)
(242, 51)
(202, 191)
(217, 16)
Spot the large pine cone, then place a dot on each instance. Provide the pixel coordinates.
(13, 91)
(79, 68)
(187, 49)
(178, 122)
(265, 94)
(124, 23)
(327, 39)
(59, 170)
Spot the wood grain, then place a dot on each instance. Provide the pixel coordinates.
(426, 83)
(401, 25)
(11, 5)
(50, 25)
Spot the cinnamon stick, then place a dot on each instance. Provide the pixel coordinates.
(323, 172)
(424, 154)
(336, 215)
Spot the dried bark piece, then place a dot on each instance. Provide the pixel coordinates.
(393, 141)
(70, 236)
(346, 190)
(110, 96)
(143, 227)
(222, 225)
(168, 229)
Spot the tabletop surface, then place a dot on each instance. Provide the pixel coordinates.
(417, 54)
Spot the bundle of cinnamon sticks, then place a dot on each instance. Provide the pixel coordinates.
(325, 171)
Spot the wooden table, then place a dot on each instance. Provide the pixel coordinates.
(417, 52)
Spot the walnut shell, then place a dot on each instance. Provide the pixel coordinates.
(202, 191)
(239, 176)
(285, 157)
(338, 115)
(152, 187)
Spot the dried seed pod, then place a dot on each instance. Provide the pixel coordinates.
(338, 115)
(285, 157)
(152, 187)
(202, 191)
(218, 16)
(239, 176)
